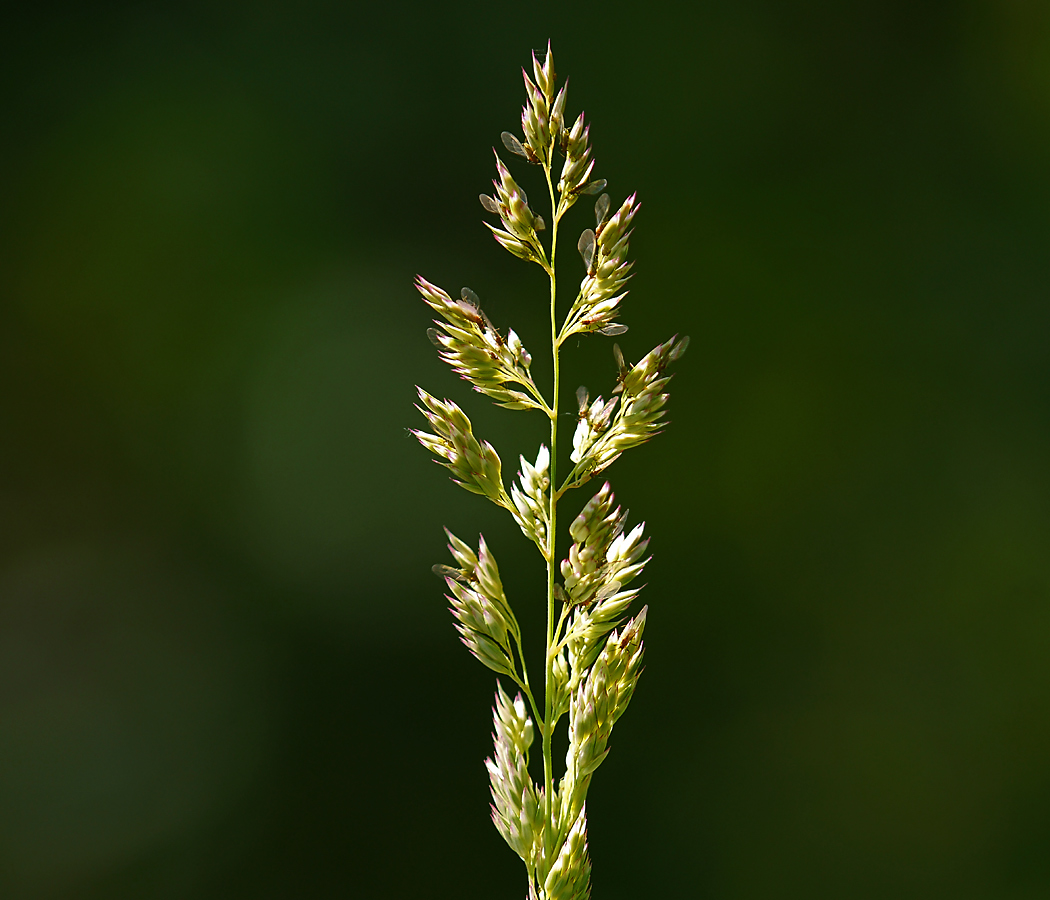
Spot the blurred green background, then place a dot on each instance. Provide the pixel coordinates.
(225, 667)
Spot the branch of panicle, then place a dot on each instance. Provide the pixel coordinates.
(477, 352)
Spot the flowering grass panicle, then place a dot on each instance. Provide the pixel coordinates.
(593, 657)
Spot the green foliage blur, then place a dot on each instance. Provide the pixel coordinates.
(226, 669)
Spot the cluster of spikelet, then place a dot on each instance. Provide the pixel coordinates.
(593, 656)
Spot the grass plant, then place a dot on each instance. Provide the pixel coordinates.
(593, 656)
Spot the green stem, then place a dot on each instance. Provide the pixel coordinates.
(557, 631)
(569, 482)
(571, 320)
(537, 396)
(548, 721)
(523, 682)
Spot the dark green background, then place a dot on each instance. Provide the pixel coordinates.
(225, 667)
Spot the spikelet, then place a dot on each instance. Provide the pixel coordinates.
(602, 561)
(601, 698)
(515, 806)
(520, 223)
(579, 165)
(536, 121)
(474, 466)
(601, 556)
(484, 619)
(477, 352)
(530, 499)
(604, 253)
(598, 442)
(570, 876)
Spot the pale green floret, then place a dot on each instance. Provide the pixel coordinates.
(578, 164)
(530, 498)
(557, 117)
(593, 421)
(545, 73)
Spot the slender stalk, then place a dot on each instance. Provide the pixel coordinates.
(558, 637)
(523, 682)
(548, 719)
